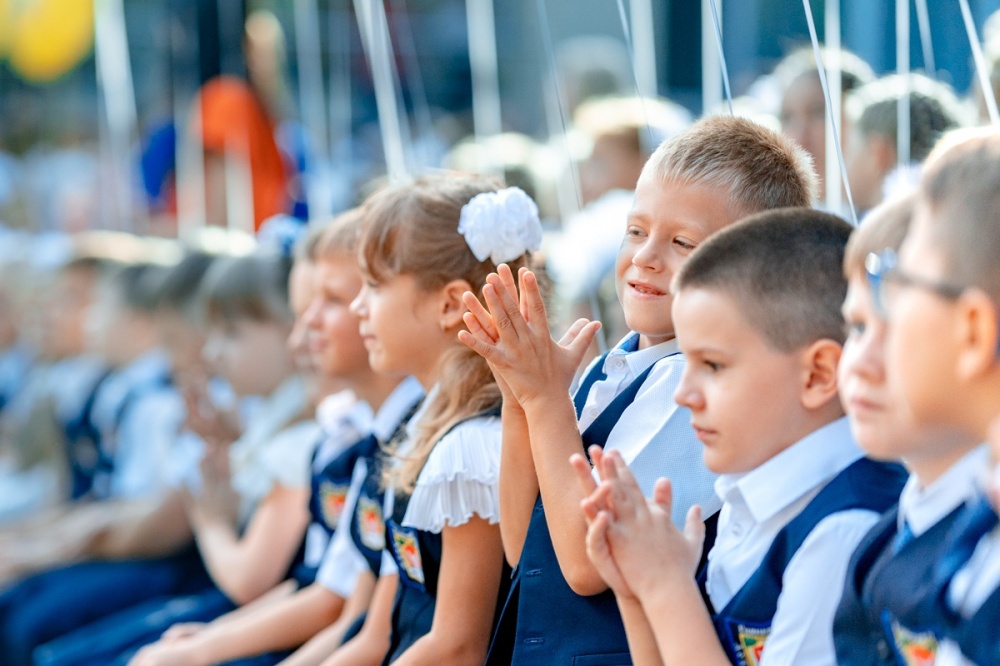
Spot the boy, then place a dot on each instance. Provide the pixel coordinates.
(717, 171)
(757, 311)
(887, 574)
(945, 280)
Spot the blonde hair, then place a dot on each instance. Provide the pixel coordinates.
(961, 186)
(412, 229)
(883, 228)
(755, 168)
(340, 236)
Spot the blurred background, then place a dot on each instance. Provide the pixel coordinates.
(98, 121)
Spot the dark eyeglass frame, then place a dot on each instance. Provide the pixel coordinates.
(882, 269)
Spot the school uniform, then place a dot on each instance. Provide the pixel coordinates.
(624, 403)
(882, 617)
(785, 534)
(275, 449)
(136, 413)
(358, 547)
(458, 481)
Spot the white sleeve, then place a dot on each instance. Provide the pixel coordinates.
(144, 444)
(342, 563)
(287, 456)
(802, 628)
(388, 567)
(460, 479)
(949, 654)
(979, 578)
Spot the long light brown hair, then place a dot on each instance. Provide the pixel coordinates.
(412, 229)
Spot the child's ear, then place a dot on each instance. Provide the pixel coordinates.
(820, 361)
(452, 307)
(979, 319)
(882, 152)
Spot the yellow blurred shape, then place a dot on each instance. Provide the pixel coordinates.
(44, 39)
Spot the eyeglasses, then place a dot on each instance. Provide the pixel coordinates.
(883, 272)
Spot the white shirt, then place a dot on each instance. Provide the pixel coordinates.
(922, 508)
(342, 563)
(654, 434)
(757, 505)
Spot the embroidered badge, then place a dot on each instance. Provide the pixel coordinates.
(370, 524)
(407, 550)
(750, 643)
(332, 498)
(914, 648)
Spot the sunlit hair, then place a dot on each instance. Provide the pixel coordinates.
(961, 191)
(752, 167)
(883, 228)
(339, 237)
(412, 229)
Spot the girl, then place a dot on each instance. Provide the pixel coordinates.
(425, 245)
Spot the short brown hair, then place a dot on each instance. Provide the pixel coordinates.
(253, 287)
(883, 228)
(784, 269)
(961, 186)
(754, 168)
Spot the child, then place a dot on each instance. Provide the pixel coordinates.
(719, 170)
(757, 311)
(425, 246)
(945, 280)
(874, 169)
(249, 514)
(888, 570)
(275, 625)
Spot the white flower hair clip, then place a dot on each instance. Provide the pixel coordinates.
(501, 226)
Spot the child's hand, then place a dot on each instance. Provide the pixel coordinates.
(514, 338)
(213, 425)
(175, 653)
(598, 515)
(647, 546)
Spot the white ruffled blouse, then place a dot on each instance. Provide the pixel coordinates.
(460, 478)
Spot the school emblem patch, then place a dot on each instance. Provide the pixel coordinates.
(332, 498)
(371, 527)
(750, 643)
(407, 550)
(915, 648)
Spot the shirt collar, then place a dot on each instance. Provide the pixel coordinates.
(638, 360)
(786, 477)
(148, 367)
(394, 408)
(343, 407)
(922, 508)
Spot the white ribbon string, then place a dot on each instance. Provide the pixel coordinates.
(981, 70)
(924, 23)
(833, 113)
(717, 21)
(903, 71)
(487, 117)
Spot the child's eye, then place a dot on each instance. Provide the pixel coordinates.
(712, 365)
(634, 232)
(684, 244)
(854, 329)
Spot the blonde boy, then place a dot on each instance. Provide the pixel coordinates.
(702, 180)
(757, 310)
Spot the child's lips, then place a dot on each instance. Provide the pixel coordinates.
(645, 289)
(703, 433)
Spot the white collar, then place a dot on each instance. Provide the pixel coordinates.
(922, 508)
(786, 477)
(343, 407)
(394, 408)
(641, 359)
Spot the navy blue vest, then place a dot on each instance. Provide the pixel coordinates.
(92, 453)
(417, 553)
(544, 621)
(745, 623)
(879, 619)
(83, 444)
(367, 522)
(977, 636)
